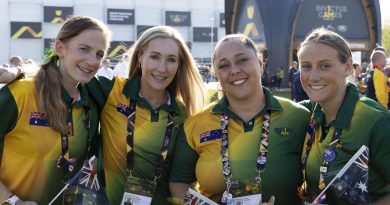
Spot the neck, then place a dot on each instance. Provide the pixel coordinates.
(154, 97)
(331, 108)
(247, 109)
(70, 86)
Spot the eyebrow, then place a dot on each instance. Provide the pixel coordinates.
(82, 44)
(235, 56)
(158, 53)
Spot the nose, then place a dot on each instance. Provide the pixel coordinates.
(235, 69)
(162, 66)
(315, 75)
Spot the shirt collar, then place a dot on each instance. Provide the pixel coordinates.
(84, 99)
(344, 115)
(132, 88)
(271, 104)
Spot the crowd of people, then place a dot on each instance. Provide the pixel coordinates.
(155, 138)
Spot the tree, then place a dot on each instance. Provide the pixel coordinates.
(386, 35)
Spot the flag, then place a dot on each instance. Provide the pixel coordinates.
(195, 198)
(88, 177)
(86, 188)
(350, 183)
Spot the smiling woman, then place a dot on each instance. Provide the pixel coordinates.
(48, 124)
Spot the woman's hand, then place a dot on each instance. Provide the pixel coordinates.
(270, 202)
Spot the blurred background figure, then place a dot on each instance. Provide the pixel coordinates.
(105, 70)
(15, 61)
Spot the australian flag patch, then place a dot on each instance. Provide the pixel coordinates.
(123, 109)
(36, 118)
(210, 135)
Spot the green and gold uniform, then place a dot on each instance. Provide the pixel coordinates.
(29, 148)
(198, 150)
(113, 98)
(363, 122)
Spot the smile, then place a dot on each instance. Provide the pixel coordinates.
(84, 69)
(317, 87)
(239, 82)
(159, 77)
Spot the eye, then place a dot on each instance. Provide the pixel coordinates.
(325, 66)
(223, 66)
(305, 67)
(242, 60)
(155, 57)
(84, 49)
(100, 55)
(172, 60)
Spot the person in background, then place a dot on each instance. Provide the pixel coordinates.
(376, 79)
(48, 124)
(342, 122)
(299, 92)
(291, 71)
(279, 77)
(141, 114)
(15, 61)
(105, 70)
(249, 138)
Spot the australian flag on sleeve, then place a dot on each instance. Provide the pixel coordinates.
(36, 118)
(87, 191)
(210, 135)
(351, 186)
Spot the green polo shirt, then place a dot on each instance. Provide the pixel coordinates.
(113, 97)
(29, 148)
(363, 122)
(198, 159)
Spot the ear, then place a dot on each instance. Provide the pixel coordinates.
(59, 47)
(261, 64)
(349, 67)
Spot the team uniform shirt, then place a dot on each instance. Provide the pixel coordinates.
(29, 148)
(150, 125)
(377, 87)
(363, 122)
(198, 150)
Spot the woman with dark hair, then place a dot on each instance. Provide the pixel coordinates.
(247, 146)
(49, 124)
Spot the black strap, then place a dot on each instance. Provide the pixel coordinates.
(130, 140)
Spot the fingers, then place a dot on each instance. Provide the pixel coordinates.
(270, 202)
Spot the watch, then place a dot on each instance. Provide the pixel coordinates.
(11, 200)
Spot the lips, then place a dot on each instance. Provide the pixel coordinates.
(159, 77)
(239, 82)
(84, 69)
(317, 87)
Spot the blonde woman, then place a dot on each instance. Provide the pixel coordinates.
(140, 116)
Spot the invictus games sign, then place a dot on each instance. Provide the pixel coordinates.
(120, 16)
(331, 12)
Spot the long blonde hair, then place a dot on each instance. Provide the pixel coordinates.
(48, 78)
(187, 84)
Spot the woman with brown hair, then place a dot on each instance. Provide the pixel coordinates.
(48, 123)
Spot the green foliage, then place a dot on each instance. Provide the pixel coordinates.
(386, 35)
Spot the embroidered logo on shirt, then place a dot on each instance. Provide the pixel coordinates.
(36, 118)
(284, 131)
(210, 135)
(123, 109)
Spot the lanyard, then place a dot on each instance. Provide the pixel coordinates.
(328, 156)
(65, 161)
(261, 159)
(130, 141)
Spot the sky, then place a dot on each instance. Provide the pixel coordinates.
(385, 10)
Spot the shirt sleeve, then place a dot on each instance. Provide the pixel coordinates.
(184, 161)
(9, 114)
(379, 148)
(99, 88)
